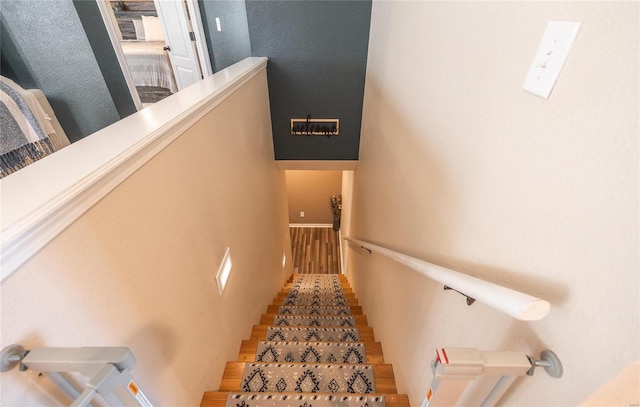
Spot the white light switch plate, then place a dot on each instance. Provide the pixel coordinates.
(552, 53)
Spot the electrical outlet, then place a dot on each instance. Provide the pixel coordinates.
(302, 214)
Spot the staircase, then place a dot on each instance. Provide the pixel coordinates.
(313, 348)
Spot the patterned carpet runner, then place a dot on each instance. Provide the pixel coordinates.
(307, 378)
(279, 333)
(342, 321)
(311, 352)
(277, 400)
(313, 346)
(316, 302)
(298, 310)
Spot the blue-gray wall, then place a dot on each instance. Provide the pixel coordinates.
(44, 46)
(106, 58)
(232, 44)
(317, 63)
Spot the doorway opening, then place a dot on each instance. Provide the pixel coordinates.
(160, 45)
(315, 227)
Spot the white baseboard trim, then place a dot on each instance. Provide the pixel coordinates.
(310, 225)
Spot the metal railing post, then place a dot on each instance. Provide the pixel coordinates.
(108, 370)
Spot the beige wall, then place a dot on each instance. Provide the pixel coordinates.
(461, 167)
(622, 390)
(138, 269)
(309, 192)
(347, 203)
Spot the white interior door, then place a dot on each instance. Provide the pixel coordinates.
(175, 25)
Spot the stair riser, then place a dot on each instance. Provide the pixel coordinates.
(293, 334)
(249, 350)
(342, 277)
(349, 296)
(259, 333)
(275, 309)
(308, 378)
(383, 376)
(287, 290)
(278, 400)
(315, 303)
(311, 352)
(311, 296)
(360, 320)
(322, 321)
(219, 399)
(293, 310)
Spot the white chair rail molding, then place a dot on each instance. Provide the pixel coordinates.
(33, 211)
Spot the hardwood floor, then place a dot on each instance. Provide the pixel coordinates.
(315, 250)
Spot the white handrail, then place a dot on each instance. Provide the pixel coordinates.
(519, 305)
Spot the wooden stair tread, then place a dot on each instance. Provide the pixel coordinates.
(248, 350)
(274, 309)
(347, 291)
(267, 319)
(281, 300)
(343, 283)
(259, 332)
(285, 291)
(219, 398)
(294, 276)
(382, 373)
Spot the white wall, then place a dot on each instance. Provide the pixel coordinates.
(138, 269)
(460, 167)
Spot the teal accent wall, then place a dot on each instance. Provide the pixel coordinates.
(106, 58)
(231, 44)
(45, 46)
(317, 54)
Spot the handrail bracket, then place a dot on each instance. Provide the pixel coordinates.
(470, 300)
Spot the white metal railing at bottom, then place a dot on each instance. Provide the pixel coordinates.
(108, 370)
(515, 303)
(455, 369)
